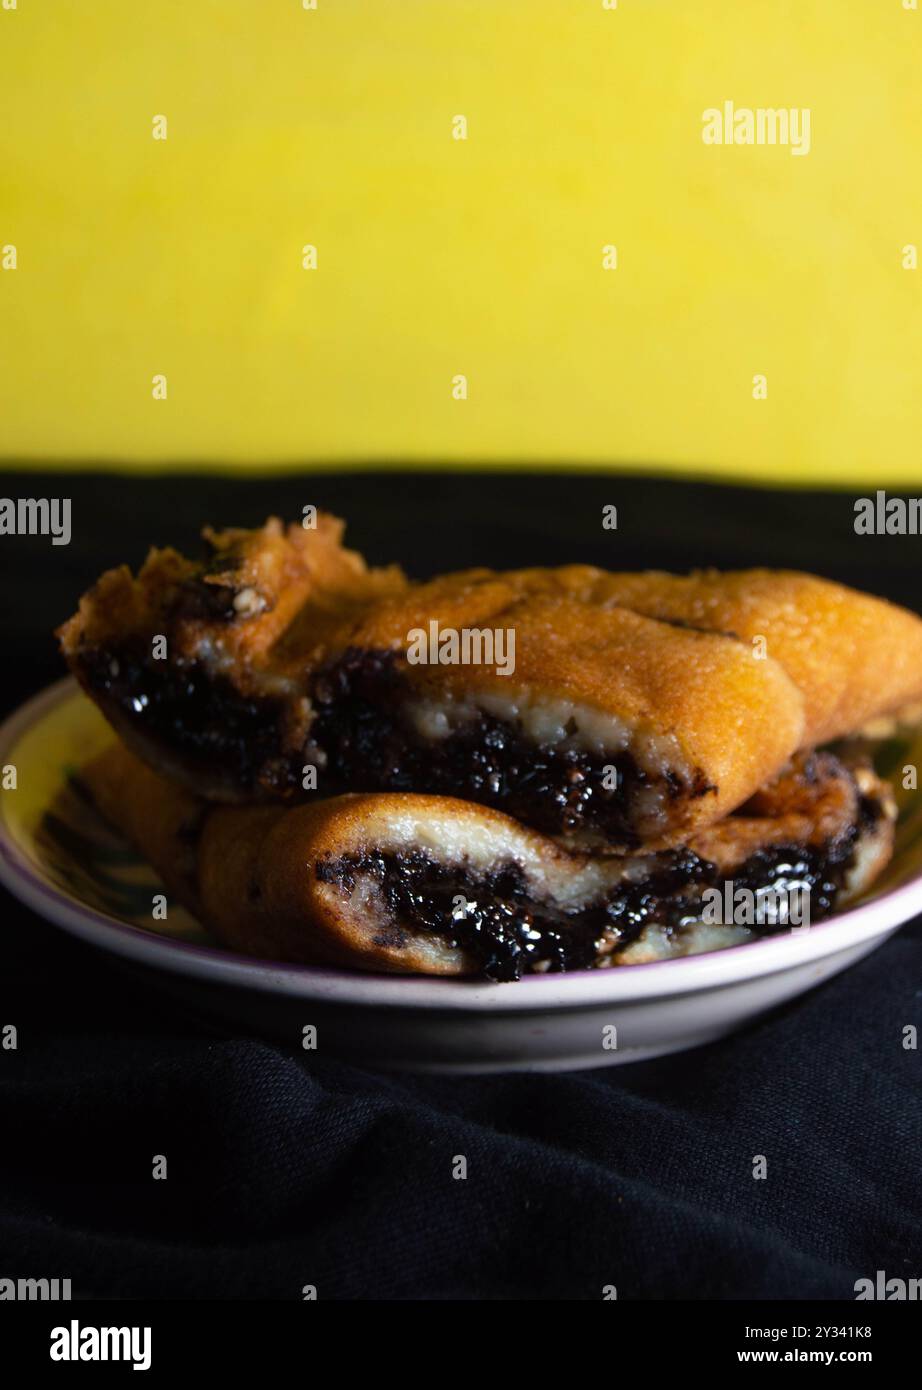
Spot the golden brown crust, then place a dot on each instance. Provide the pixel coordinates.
(851, 655)
(810, 803)
(291, 590)
(733, 719)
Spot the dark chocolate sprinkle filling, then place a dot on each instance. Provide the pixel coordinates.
(507, 932)
(362, 727)
(200, 717)
(362, 730)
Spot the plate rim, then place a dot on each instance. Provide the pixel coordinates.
(688, 975)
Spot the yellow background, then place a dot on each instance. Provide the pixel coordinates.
(438, 256)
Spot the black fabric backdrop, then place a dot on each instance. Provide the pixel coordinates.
(285, 1172)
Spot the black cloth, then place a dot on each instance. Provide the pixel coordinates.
(285, 1171)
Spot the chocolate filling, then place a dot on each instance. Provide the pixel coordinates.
(363, 727)
(507, 932)
(203, 718)
(364, 732)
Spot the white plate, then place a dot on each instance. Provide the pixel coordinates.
(60, 860)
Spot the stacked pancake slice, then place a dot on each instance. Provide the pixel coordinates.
(489, 773)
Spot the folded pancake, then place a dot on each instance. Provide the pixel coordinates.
(433, 885)
(851, 655)
(611, 732)
(610, 711)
